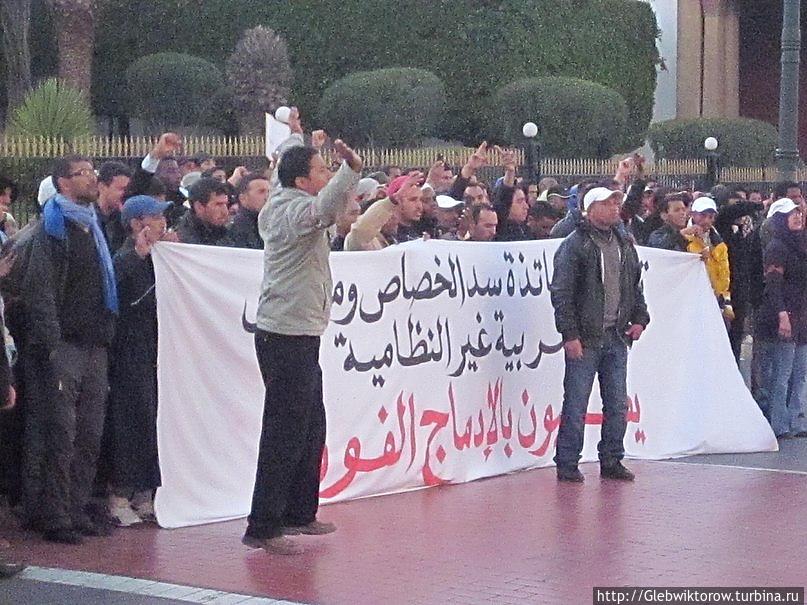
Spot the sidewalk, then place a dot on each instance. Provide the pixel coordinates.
(521, 538)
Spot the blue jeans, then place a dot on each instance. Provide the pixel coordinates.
(609, 361)
(782, 389)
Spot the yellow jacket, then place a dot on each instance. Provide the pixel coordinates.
(717, 265)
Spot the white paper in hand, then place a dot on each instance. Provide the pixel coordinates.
(276, 133)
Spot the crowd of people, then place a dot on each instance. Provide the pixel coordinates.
(79, 449)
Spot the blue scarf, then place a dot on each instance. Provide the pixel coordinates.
(56, 211)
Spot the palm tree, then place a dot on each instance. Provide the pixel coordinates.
(74, 22)
(15, 21)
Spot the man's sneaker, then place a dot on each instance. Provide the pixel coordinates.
(279, 545)
(282, 545)
(8, 570)
(616, 471)
(121, 512)
(63, 535)
(88, 527)
(144, 508)
(315, 528)
(571, 474)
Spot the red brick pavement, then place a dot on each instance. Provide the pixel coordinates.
(522, 538)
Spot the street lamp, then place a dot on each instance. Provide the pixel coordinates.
(533, 153)
(712, 162)
(787, 153)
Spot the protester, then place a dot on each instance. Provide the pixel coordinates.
(70, 289)
(206, 223)
(8, 399)
(409, 198)
(344, 222)
(132, 407)
(484, 221)
(161, 162)
(113, 180)
(541, 219)
(709, 245)
(380, 225)
(556, 197)
(8, 195)
(510, 204)
(781, 323)
(292, 315)
(253, 193)
(599, 310)
(672, 235)
(448, 214)
(735, 223)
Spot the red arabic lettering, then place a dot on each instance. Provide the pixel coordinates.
(439, 420)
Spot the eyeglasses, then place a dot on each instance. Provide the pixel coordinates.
(86, 172)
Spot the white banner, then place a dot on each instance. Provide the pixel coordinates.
(441, 365)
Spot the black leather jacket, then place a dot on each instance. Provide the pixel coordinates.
(578, 294)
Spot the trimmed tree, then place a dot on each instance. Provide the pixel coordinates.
(15, 20)
(260, 77)
(171, 90)
(384, 107)
(577, 118)
(743, 142)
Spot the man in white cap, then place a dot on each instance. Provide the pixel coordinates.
(599, 311)
(713, 251)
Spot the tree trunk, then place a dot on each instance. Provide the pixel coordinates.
(15, 20)
(74, 22)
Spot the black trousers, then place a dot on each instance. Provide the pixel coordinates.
(737, 329)
(65, 406)
(292, 436)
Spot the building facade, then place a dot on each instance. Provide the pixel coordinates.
(721, 58)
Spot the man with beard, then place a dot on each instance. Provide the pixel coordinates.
(70, 293)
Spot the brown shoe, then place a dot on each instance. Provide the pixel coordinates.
(279, 545)
(282, 545)
(616, 471)
(315, 528)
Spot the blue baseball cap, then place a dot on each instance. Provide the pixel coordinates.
(139, 206)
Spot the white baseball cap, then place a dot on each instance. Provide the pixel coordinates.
(600, 194)
(446, 202)
(46, 190)
(703, 204)
(783, 205)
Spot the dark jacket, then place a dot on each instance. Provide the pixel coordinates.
(785, 266)
(140, 184)
(113, 228)
(510, 231)
(745, 252)
(565, 226)
(132, 405)
(409, 233)
(668, 238)
(243, 233)
(62, 291)
(192, 230)
(578, 294)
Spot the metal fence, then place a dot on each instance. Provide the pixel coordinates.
(27, 160)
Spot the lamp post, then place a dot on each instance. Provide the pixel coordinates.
(787, 153)
(712, 162)
(533, 153)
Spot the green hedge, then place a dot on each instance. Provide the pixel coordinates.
(742, 142)
(384, 107)
(578, 118)
(474, 47)
(168, 90)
